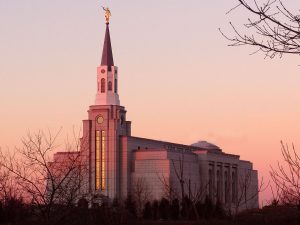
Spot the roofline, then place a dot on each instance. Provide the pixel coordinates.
(193, 148)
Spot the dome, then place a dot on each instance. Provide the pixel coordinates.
(206, 145)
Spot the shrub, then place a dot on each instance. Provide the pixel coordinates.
(147, 212)
(175, 209)
(155, 210)
(164, 207)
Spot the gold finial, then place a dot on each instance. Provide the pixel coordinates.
(107, 14)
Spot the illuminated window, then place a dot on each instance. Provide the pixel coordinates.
(98, 176)
(109, 86)
(100, 160)
(102, 85)
(103, 162)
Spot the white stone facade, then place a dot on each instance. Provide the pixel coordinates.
(168, 169)
(114, 162)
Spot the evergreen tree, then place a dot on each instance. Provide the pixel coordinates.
(186, 208)
(155, 210)
(1, 213)
(200, 209)
(164, 207)
(219, 211)
(147, 213)
(175, 209)
(130, 206)
(115, 203)
(83, 203)
(208, 207)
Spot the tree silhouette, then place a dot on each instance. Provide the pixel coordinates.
(271, 27)
(286, 176)
(43, 184)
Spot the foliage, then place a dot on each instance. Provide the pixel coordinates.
(155, 210)
(175, 209)
(20, 213)
(130, 205)
(147, 212)
(219, 210)
(164, 208)
(208, 208)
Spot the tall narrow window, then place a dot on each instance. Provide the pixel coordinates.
(116, 86)
(109, 86)
(210, 184)
(97, 167)
(233, 192)
(103, 161)
(226, 187)
(102, 85)
(218, 185)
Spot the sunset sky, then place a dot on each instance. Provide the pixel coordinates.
(179, 80)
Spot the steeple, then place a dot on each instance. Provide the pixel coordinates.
(107, 72)
(107, 56)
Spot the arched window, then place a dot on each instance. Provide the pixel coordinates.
(102, 85)
(233, 187)
(218, 185)
(109, 86)
(210, 183)
(116, 86)
(226, 187)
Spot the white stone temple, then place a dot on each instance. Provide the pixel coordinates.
(114, 162)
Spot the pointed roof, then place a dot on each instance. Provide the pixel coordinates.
(107, 56)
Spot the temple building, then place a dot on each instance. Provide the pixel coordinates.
(115, 163)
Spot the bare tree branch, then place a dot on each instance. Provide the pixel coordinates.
(42, 182)
(272, 28)
(286, 176)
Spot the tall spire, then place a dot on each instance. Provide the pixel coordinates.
(107, 72)
(107, 56)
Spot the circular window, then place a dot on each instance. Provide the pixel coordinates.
(100, 119)
(103, 71)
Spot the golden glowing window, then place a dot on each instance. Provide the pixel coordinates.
(97, 156)
(100, 160)
(103, 161)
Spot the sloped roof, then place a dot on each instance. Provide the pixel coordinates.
(107, 56)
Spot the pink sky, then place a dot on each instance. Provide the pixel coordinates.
(179, 81)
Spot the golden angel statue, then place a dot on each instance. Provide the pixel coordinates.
(107, 14)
